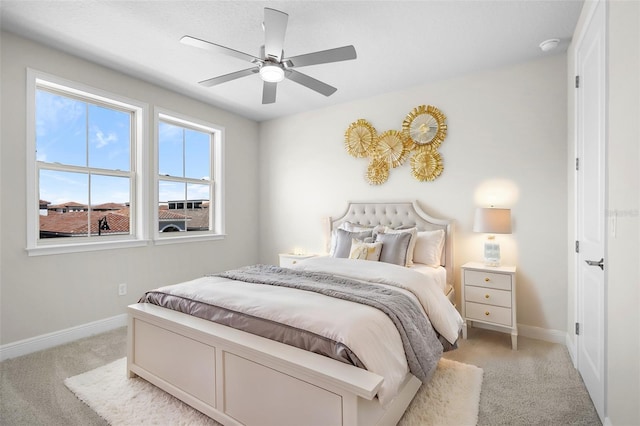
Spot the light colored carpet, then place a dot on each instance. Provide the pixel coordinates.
(535, 385)
(451, 398)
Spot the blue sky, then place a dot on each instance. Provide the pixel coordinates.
(73, 132)
(182, 152)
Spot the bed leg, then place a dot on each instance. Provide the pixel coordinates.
(130, 346)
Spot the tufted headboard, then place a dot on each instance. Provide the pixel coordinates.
(403, 214)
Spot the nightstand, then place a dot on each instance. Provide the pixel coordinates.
(489, 297)
(290, 259)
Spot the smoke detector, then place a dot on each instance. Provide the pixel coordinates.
(550, 44)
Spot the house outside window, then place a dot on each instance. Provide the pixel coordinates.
(189, 188)
(84, 167)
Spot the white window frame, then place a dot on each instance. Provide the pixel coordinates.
(216, 204)
(138, 196)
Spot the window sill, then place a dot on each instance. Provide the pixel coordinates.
(53, 249)
(188, 239)
(50, 249)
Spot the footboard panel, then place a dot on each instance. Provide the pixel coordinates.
(257, 395)
(183, 362)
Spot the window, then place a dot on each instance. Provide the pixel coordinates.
(189, 171)
(84, 167)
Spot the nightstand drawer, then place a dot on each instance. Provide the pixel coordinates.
(488, 279)
(489, 296)
(488, 313)
(287, 260)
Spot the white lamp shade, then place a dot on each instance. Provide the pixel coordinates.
(492, 221)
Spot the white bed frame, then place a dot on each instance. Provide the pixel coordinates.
(239, 378)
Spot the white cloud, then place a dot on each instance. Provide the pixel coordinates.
(103, 140)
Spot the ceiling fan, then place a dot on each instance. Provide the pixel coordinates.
(271, 66)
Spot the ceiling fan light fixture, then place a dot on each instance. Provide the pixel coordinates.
(271, 73)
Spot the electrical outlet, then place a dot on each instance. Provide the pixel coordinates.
(122, 289)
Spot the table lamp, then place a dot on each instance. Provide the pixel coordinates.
(491, 221)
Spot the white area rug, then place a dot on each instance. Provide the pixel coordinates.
(451, 398)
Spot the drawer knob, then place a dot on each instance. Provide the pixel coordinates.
(486, 296)
(294, 262)
(487, 313)
(487, 280)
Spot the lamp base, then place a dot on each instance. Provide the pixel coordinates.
(491, 253)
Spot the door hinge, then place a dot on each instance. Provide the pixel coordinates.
(577, 164)
(577, 246)
(577, 329)
(577, 81)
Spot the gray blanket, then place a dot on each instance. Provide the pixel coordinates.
(421, 344)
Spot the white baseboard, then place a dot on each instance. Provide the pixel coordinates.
(546, 334)
(49, 340)
(538, 333)
(571, 347)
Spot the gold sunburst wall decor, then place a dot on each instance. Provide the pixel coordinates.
(393, 147)
(426, 164)
(425, 126)
(360, 139)
(377, 172)
(423, 131)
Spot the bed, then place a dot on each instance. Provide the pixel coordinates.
(240, 378)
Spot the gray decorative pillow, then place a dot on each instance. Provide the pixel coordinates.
(413, 231)
(343, 241)
(395, 247)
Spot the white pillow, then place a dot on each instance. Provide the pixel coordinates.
(412, 241)
(354, 227)
(365, 251)
(428, 248)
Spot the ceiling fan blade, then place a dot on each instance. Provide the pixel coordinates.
(228, 77)
(269, 92)
(311, 83)
(202, 44)
(275, 26)
(338, 54)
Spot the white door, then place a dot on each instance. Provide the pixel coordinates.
(591, 215)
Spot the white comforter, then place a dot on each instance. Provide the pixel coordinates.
(368, 332)
(443, 315)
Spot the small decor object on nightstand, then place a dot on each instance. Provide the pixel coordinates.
(492, 221)
(290, 259)
(489, 297)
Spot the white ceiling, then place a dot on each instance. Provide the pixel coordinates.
(400, 44)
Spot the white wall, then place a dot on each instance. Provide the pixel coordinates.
(623, 252)
(506, 142)
(45, 294)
